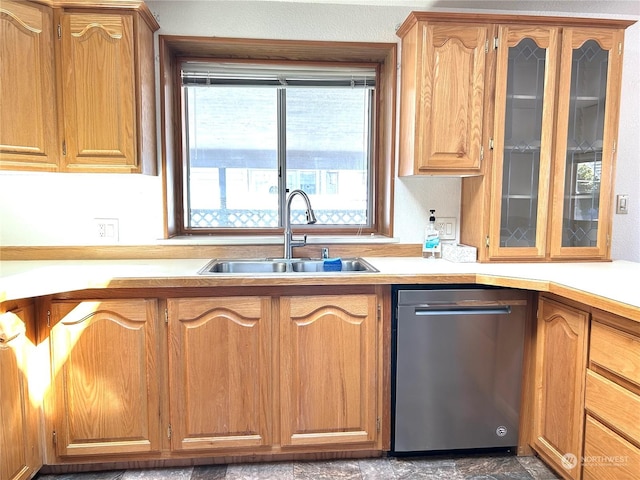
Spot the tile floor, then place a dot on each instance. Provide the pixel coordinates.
(492, 467)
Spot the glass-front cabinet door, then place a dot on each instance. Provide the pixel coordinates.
(588, 105)
(524, 109)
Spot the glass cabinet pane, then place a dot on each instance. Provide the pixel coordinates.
(584, 145)
(522, 142)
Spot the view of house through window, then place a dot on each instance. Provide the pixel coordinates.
(254, 134)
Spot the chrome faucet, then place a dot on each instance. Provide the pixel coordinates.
(289, 242)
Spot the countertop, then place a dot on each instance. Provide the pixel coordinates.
(607, 285)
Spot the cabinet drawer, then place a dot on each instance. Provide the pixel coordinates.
(608, 456)
(614, 405)
(616, 351)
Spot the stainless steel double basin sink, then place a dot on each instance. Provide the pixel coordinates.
(285, 265)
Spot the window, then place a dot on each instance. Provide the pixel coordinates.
(250, 131)
(247, 124)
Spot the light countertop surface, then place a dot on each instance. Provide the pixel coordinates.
(614, 282)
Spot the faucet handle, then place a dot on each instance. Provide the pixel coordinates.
(300, 242)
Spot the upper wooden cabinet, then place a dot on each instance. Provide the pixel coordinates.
(443, 74)
(587, 132)
(28, 125)
(104, 73)
(546, 192)
(523, 138)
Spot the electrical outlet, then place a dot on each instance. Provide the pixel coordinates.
(106, 229)
(447, 227)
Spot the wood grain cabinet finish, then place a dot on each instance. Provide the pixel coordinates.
(443, 73)
(105, 377)
(106, 62)
(328, 378)
(20, 456)
(78, 87)
(220, 382)
(588, 108)
(526, 69)
(546, 192)
(608, 456)
(612, 435)
(28, 133)
(561, 360)
(97, 57)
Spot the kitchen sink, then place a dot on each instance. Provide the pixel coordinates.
(244, 266)
(317, 265)
(282, 265)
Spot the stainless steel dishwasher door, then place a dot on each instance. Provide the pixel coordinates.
(458, 369)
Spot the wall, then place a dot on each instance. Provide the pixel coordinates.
(59, 209)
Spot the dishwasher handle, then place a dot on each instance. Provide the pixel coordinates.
(454, 309)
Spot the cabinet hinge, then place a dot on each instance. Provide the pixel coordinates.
(169, 431)
(491, 144)
(620, 48)
(48, 318)
(608, 240)
(166, 315)
(486, 46)
(481, 152)
(59, 31)
(64, 148)
(495, 43)
(615, 145)
(379, 313)
(54, 438)
(378, 424)
(486, 241)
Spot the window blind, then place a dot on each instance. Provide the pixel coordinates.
(241, 74)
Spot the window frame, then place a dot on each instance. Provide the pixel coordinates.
(176, 49)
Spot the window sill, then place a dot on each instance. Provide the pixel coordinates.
(277, 240)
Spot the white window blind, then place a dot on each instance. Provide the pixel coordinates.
(246, 74)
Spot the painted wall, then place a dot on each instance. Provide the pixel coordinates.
(58, 209)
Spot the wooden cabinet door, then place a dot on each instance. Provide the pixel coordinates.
(587, 130)
(561, 358)
(219, 372)
(523, 123)
(444, 75)
(28, 133)
(105, 368)
(19, 426)
(328, 380)
(98, 79)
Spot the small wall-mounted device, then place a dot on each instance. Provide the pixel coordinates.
(622, 203)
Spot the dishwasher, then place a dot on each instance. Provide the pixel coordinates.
(457, 368)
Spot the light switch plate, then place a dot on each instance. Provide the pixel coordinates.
(447, 227)
(622, 203)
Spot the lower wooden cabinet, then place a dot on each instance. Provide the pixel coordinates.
(245, 375)
(219, 372)
(328, 378)
(104, 356)
(229, 355)
(607, 455)
(612, 400)
(561, 360)
(20, 456)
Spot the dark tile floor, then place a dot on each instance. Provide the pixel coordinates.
(494, 467)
